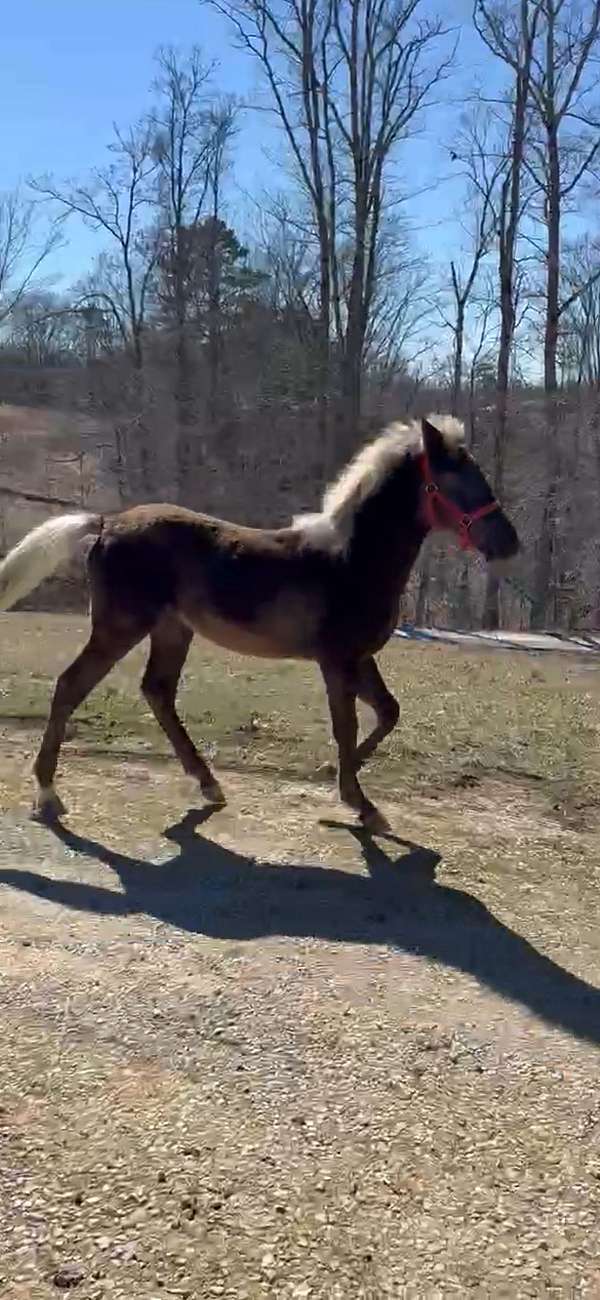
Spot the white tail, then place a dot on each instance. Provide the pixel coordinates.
(41, 552)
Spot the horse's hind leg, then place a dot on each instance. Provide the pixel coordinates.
(373, 691)
(105, 647)
(169, 644)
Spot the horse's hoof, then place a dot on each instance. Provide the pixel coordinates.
(214, 794)
(374, 822)
(48, 807)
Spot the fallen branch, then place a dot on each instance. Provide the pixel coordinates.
(38, 497)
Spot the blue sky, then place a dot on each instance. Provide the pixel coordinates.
(70, 68)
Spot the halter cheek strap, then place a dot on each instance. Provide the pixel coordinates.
(442, 513)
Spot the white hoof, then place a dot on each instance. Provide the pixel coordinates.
(47, 805)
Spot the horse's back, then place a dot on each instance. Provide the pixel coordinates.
(179, 522)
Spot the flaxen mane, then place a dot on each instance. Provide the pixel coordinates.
(333, 525)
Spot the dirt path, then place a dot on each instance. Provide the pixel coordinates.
(256, 1054)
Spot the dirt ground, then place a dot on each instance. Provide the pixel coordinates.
(256, 1053)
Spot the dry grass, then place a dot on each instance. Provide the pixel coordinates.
(262, 1056)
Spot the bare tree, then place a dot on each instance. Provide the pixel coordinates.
(484, 165)
(347, 81)
(290, 325)
(396, 334)
(43, 329)
(123, 293)
(510, 34)
(481, 359)
(579, 347)
(182, 137)
(563, 81)
(481, 368)
(21, 252)
(565, 149)
(115, 201)
(222, 125)
(191, 136)
(288, 256)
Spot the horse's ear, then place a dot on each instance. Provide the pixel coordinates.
(433, 442)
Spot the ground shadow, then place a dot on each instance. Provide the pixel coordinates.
(211, 890)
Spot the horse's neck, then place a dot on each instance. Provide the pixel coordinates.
(387, 533)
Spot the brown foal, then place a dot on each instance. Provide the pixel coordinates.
(326, 588)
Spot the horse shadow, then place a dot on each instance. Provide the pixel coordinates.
(207, 889)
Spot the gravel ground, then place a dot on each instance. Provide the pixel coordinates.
(256, 1054)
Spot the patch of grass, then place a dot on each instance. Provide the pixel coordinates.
(496, 714)
(464, 717)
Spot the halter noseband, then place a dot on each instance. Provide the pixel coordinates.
(441, 512)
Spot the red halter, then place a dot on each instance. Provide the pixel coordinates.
(442, 513)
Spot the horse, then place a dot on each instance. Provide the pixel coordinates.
(325, 588)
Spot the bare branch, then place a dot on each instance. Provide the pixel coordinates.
(21, 256)
(117, 201)
(347, 79)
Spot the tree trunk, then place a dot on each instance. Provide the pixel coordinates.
(361, 279)
(422, 603)
(545, 555)
(214, 330)
(459, 340)
(460, 601)
(144, 451)
(324, 349)
(491, 610)
(546, 546)
(543, 570)
(355, 333)
(121, 465)
(553, 265)
(351, 396)
(509, 228)
(183, 378)
(185, 414)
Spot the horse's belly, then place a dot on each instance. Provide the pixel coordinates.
(285, 629)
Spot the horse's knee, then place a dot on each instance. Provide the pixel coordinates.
(390, 713)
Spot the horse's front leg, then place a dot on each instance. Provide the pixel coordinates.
(373, 691)
(342, 687)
